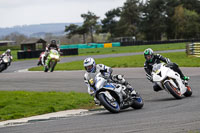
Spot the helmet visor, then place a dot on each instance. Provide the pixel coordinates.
(89, 68)
(148, 57)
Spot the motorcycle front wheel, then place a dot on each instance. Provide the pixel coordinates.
(52, 65)
(2, 67)
(112, 106)
(173, 90)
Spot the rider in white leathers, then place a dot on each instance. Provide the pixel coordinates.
(92, 67)
(7, 53)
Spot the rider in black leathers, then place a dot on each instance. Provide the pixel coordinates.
(151, 59)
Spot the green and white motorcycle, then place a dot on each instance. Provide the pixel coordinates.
(51, 61)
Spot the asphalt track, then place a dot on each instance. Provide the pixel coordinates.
(161, 112)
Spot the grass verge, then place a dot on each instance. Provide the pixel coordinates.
(130, 49)
(129, 61)
(18, 104)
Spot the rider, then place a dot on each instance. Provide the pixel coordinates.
(92, 67)
(53, 44)
(151, 59)
(7, 53)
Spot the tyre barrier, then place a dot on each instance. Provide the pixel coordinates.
(36, 54)
(193, 49)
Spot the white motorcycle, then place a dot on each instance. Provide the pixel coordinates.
(114, 96)
(170, 81)
(5, 62)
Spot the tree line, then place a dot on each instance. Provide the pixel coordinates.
(143, 19)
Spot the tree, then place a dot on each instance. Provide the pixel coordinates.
(90, 24)
(170, 9)
(153, 19)
(192, 5)
(130, 19)
(109, 23)
(17, 37)
(73, 29)
(186, 23)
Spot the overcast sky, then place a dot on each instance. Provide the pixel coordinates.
(26, 12)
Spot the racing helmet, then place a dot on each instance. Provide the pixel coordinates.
(148, 54)
(89, 64)
(53, 42)
(8, 52)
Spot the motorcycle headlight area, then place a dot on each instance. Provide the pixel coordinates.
(91, 82)
(54, 56)
(156, 69)
(6, 59)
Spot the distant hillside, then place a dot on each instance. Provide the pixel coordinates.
(37, 30)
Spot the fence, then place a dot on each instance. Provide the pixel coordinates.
(133, 43)
(91, 45)
(193, 49)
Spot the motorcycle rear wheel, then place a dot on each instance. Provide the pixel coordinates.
(137, 102)
(46, 69)
(188, 93)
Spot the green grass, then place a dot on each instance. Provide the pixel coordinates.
(129, 61)
(18, 104)
(96, 51)
(130, 49)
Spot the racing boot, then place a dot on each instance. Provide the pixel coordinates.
(186, 78)
(96, 101)
(130, 88)
(156, 88)
(39, 63)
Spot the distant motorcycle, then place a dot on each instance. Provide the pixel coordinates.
(5, 62)
(114, 96)
(170, 81)
(51, 61)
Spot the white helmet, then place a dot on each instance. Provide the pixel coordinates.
(8, 51)
(89, 64)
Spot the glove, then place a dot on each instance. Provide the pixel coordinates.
(107, 75)
(149, 77)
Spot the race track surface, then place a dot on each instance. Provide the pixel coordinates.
(161, 113)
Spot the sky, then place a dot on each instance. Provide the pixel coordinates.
(26, 12)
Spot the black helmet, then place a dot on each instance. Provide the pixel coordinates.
(53, 42)
(148, 54)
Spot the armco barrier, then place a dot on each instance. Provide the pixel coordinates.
(36, 54)
(193, 49)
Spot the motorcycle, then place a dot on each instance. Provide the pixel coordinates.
(114, 96)
(170, 81)
(51, 61)
(5, 62)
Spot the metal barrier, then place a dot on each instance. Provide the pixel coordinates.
(193, 49)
